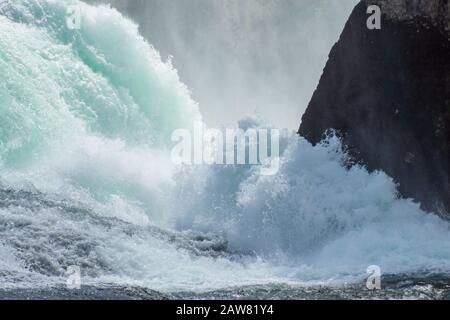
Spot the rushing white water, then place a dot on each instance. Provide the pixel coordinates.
(226, 49)
(85, 123)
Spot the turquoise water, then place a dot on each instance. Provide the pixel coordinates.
(86, 118)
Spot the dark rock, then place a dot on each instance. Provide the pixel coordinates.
(387, 94)
(84, 293)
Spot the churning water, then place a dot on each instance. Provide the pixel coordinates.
(86, 178)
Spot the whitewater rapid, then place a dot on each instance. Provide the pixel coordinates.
(86, 178)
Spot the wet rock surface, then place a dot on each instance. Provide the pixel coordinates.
(387, 94)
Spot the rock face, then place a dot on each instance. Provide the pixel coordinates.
(387, 94)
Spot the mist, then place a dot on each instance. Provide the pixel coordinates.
(259, 58)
